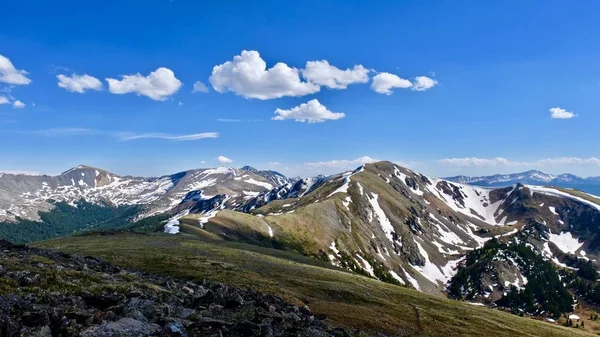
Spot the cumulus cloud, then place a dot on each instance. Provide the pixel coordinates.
(247, 75)
(560, 113)
(4, 100)
(11, 75)
(312, 112)
(199, 87)
(165, 136)
(224, 160)
(383, 83)
(159, 85)
(18, 104)
(324, 74)
(423, 83)
(79, 83)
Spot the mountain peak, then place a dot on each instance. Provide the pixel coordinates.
(248, 168)
(82, 167)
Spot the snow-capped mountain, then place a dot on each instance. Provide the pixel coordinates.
(382, 220)
(276, 178)
(24, 195)
(590, 184)
(400, 226)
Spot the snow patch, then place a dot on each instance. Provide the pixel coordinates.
(566, 242)
(384, 222)
(397, 277)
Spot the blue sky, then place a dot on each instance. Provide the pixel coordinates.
(461, 87)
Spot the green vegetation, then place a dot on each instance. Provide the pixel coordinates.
(65, 219)
(544, 291)
(347, 299)
(584, 281)
(155, 223)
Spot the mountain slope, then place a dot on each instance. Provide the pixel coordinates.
(395, 224)
(47, 293)
(347, 300)
(23, 196)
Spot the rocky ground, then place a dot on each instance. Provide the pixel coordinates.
(45, 293)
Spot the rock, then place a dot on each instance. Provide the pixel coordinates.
(234, 301)
(34, 319)
(120, 309)
(66, 327)
(144, 306)
(79, 315)
(174, 329)
(104, 316)
(246, 329)
(305, 310)
(125, 327)
(37, 332)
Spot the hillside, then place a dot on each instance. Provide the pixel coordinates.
(45, 293)
(394, 224)
(347, 300)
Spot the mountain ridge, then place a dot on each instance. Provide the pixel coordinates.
(383, 220)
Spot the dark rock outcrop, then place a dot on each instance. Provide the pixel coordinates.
(45, 293)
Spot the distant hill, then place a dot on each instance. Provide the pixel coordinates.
(533, 177)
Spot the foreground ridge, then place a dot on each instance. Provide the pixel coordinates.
(46, 293)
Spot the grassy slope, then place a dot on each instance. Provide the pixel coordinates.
(347, 299)
(580, 194)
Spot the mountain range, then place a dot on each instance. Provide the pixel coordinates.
(381, 220)
(533, 177)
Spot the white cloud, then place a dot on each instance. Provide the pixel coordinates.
(123, 136)
(559, 113)
(476, 162)
(229, 120)
(62, 132)
(9, 74)
(199, 87)
(311, 112)
(247, 75)
(539, 163)
(274, 163)
(423, 83)
(383, 83)
(180, 103)
(324, 74)
(570, 161)
(4, 100)
(195, 136)
(79, 83)
(224, 160)
(18, 104)
(342, 163)
(160, 84)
